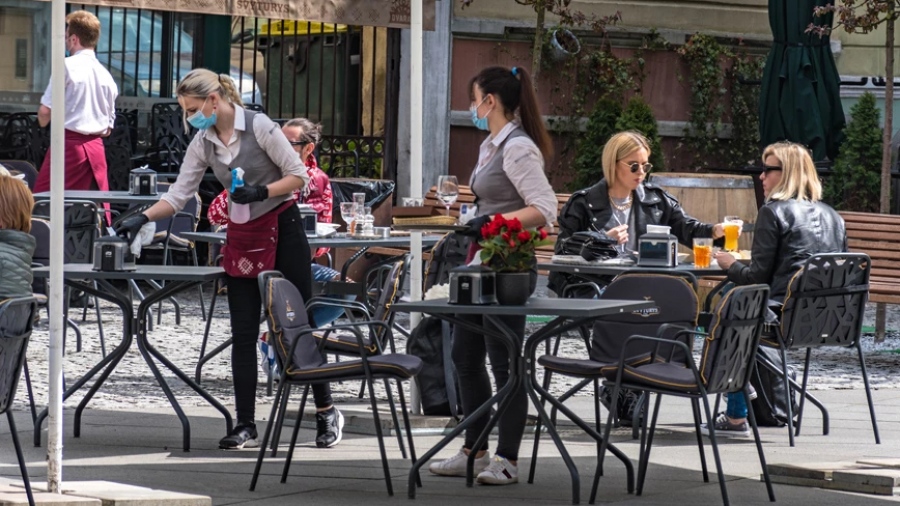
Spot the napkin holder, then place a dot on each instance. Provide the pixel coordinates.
(142, 181)
(309, 218)
(112, 254)
(473, 285)
(658, 250)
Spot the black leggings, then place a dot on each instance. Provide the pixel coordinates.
(292, 258)
(469, 351)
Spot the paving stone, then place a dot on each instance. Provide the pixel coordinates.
(875, 477)
(151, 498)
(882, 462)
(794, 480)
(813, 471)
(90, 486)
(859, 487)
(20, 498)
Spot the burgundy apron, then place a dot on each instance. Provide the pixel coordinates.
(85, 164)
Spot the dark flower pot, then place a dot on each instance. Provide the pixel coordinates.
(513, 288)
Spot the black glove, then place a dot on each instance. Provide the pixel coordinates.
(130, 226)
(474, 226)
(247, 194)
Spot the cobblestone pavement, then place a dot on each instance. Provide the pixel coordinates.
(132, 384)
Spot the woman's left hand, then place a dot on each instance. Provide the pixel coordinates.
(725, 260)
(247, 194)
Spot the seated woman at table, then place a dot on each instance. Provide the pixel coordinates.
(793, 225)
(621, 205)
(16, 244)
(228, 137)
(509, 180)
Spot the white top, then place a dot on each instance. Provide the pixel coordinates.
(523, 164)
(90, 94)
(268, 136)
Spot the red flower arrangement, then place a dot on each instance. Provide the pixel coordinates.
(508, 247)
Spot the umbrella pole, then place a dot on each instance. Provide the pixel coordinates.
(415, 163)
(57, 188)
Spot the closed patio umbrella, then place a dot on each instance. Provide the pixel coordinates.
(800, 96)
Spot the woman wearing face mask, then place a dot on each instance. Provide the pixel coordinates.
(509, 180)
(230, 137)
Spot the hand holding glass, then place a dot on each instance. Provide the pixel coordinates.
(447, 191)
(702, 252)
(732, 226)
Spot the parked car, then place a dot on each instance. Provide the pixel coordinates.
(131, 48)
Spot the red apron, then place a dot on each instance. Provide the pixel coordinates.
(85, 164)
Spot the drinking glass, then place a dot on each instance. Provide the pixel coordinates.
(732, 225)
(447, 191)
(702, 252)
(348, 213)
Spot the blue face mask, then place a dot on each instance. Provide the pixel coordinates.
(480, 123)
(201, 122)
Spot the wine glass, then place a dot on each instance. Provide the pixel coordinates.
(447, 191)
(348, 213)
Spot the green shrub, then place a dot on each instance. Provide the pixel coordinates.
(855, 182)
(601, 126)
(638, 116)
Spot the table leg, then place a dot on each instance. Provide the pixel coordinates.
(354, 257)
(149, 353)
(109, 361)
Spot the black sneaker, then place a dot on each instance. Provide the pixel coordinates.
(243, 436)
(629, 401)
(328, 427)
(726, 428)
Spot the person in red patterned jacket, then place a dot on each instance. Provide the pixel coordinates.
(304, 136)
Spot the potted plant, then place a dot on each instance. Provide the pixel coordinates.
(563, 44)
(508, 249)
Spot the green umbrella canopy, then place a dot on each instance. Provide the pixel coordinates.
(800, 97)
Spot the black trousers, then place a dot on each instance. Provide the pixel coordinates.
(469, 351)
(292, 258)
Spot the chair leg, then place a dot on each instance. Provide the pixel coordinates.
(99, 323)
(605, 443)
(787, 395)
(865, 375)
(645, 457)
(759, 449)
(20, 457)
(380, 435)
(695, 407)
(282, 410)
(199, 287)
(212, 307)
(30, 392)
(268, 433)
(710, 422)
(803, 391)
(409, 438)
(394, 419)
(294, 434)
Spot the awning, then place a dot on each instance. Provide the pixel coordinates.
(392, 13)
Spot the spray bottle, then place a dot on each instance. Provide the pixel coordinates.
(239, 213)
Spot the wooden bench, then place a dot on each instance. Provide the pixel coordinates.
(877, 235)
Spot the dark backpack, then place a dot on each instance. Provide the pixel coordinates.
(769, 406)
(431, 342)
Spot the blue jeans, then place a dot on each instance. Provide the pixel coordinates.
(324, 315)
(737, 406)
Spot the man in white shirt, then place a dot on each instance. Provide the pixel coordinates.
(90, 108)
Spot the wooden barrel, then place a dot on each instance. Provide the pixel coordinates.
(711, 197)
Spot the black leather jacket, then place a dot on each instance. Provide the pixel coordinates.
(788, 232)
(589, 209)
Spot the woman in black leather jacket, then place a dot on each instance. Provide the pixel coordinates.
(622, 204)
(792, 226)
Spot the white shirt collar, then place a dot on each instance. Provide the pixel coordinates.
(504, 133)
(240, 125)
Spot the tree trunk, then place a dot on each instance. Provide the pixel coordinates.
(538, 49)
(888, 114)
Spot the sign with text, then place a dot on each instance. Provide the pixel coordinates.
(392, 13)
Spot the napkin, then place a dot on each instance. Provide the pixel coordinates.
(325, 229)
(144, 237)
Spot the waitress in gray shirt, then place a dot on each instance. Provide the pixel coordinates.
(229, 137)
(509, 180)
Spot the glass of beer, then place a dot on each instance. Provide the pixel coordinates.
(733, 226)
(702, 252)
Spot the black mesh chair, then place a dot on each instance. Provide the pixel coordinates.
(16, 320)
(726, 361)
(302, 362)
(824, 306)
(22, 167)
(676, 305)
(81, 220)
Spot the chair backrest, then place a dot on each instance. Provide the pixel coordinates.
(391, 290)
(22, 167)
(118, 166)
(730, 349)
(449, 252)
(826, 301)
(288, 322)
(16, 320)
(676, 303)
(180, 224)
(40, 230)
(81, 220)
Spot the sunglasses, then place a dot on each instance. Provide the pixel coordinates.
(769, 168)
(299, 143)
(635, 166)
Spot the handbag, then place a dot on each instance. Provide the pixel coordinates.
(590, 245)
(250, 247)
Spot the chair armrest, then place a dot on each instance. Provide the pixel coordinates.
(353, 326)
(588, 284)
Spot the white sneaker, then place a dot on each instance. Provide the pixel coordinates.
(500, 472)
(456, 465)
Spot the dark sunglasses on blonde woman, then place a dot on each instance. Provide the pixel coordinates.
(635, 166)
